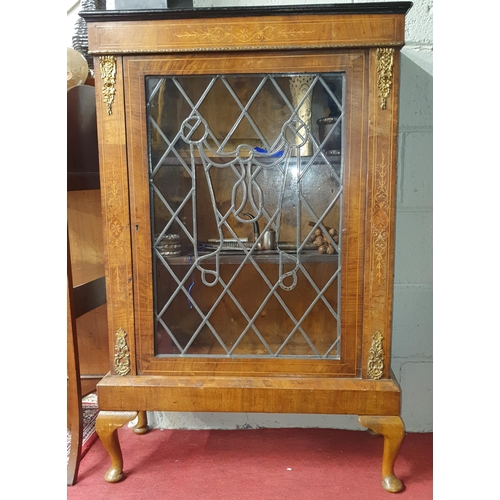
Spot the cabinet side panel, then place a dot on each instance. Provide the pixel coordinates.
(381, 181)
(116, 217)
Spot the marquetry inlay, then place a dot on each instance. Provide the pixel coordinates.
(380, 221)
(122, 356)
(242, 34)
(115, 227)
(107, 65)
(376, 358)
(385, 63)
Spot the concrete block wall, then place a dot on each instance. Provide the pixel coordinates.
(413, 292)
(412, 313)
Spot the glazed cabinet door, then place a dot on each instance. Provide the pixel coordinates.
(247, 198)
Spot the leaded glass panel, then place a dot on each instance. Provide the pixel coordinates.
(246, 188)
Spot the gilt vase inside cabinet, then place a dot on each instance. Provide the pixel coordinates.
(248, 169)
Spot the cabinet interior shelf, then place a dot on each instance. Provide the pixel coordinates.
(259, 256)
(185, 154)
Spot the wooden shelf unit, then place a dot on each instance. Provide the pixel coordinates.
(88, 358)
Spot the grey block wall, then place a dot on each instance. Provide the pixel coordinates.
(412, 314)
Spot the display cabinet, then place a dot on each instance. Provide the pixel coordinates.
(248, 170)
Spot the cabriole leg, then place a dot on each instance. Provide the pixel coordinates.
(141, 427)
(393, 430)
(107, 425)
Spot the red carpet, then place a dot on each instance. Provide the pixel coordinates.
(256, 464)
(89, 436)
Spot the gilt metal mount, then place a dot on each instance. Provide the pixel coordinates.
(107, 65)
(122, 356)
(376, 358)
(385, 64)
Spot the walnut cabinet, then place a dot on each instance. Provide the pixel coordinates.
(248, 171)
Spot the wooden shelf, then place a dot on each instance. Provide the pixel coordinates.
(185, 154)
(86, 272)
(260, 256)
(89, 296)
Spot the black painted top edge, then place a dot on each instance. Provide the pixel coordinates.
(211, 12)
